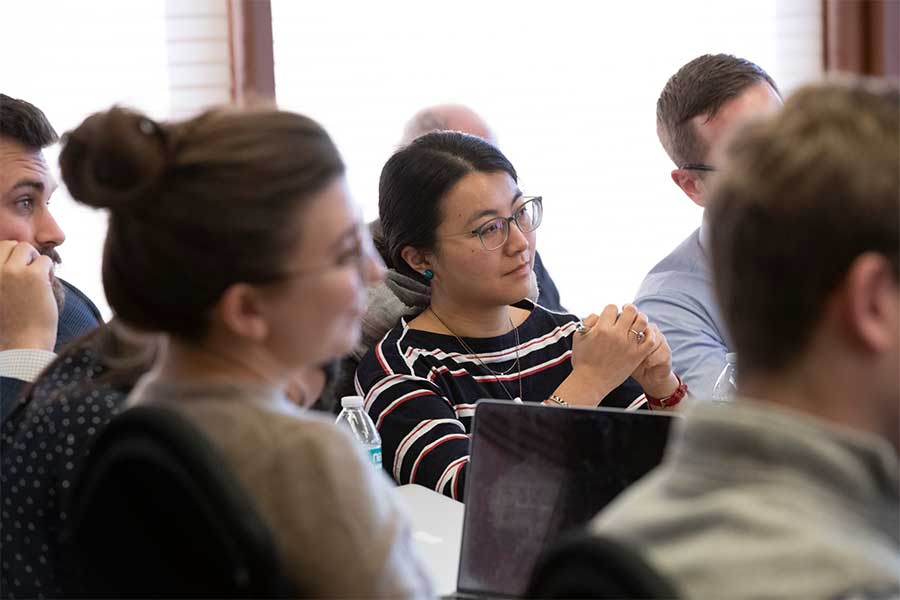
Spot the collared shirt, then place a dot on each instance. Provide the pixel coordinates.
(678, 296)
(20, 366)
(24, 363)
(754, 500)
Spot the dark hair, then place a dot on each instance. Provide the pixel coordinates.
(415, 180)
(25, 123)
(801, 196)
(701, 87)
(330, 400)
(194, 206)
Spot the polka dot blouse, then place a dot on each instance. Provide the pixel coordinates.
(43, 447)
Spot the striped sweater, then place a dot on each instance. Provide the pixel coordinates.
(420, 389)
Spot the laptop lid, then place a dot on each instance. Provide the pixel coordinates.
(538, 471)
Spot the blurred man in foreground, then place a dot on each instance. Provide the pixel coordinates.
(793, 491)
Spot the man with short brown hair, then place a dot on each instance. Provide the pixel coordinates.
(38, 312)
(699, 106)
(793, 491)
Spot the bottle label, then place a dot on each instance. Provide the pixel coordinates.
(375, 457)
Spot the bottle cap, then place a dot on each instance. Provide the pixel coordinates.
(352, 402)
(731, 357)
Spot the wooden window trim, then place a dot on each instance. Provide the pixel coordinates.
(252, 53)
(862, 36)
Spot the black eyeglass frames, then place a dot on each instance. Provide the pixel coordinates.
(698, 167)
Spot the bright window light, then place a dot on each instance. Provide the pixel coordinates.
(569, 88)
(71, 59)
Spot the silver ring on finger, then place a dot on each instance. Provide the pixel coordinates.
(580, 328)
(639, 335)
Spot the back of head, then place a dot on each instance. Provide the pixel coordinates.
(195, 206)
(802, 195)
(701, 87)
(447, 117)
(415, 180)
(25, 124)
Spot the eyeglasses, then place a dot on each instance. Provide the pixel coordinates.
(358, 257)
(527, 218)
(698, 167)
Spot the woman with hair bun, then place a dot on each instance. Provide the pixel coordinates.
(234, 234)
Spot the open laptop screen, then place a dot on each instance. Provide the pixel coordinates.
(538, 471)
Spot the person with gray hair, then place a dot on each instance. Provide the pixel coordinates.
(447, 117)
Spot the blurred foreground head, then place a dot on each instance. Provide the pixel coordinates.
(232, 231)
(804, 228)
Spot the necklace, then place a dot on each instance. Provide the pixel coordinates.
(481, 362)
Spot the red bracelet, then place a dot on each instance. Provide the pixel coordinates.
(673, 399)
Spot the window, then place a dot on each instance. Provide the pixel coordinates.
(168, 59)
(570, 89)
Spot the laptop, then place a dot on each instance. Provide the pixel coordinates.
(536, 472)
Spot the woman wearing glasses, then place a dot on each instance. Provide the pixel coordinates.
(454, 217)
(233, 233)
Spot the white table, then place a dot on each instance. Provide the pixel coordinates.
(437, 523)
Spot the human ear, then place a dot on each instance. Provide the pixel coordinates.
(417, 260)
(872, 302)
(691, 184)
(240, 310)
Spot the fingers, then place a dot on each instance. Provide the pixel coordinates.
(28, 309)
(27, 259)
(608, 315)
(24, 271)
(658, 350)
(22, 255)
(590, 320)
(652, 335)
(42, 264)
(627, 318)
(630, 324)
(638, 328)
(6, 248)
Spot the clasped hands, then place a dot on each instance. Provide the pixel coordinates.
(613, 346)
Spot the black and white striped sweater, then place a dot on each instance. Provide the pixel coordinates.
(421, 388)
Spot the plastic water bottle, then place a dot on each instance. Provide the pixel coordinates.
(726, 384)
(355, 417)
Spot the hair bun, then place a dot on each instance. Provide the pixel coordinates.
(114, 159)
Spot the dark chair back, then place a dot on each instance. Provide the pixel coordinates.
(583, 565)
(157, 512)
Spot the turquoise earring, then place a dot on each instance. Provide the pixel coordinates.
(428, 274)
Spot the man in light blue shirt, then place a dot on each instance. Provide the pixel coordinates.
(698, 108)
